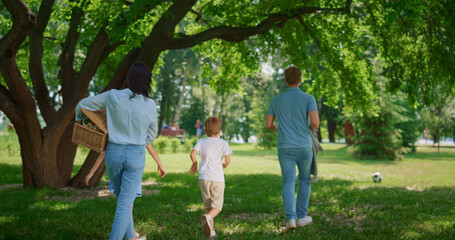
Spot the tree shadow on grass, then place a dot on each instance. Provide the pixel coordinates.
(252, 210)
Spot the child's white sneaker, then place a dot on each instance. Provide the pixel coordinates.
(206, 225)
(302, 222)
(213, 234)
(290, 225)
(142, 238)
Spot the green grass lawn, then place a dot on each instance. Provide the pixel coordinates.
(416, 200)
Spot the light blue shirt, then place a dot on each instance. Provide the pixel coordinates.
(291, 110)
(129, 121)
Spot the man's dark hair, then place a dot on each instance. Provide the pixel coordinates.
(292, 75)
(138, 79)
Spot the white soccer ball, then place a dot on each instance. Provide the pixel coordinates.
(377, 177)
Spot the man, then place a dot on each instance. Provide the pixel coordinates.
(293, 108)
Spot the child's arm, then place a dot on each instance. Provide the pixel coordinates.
(95, 167)
(227, 160)
(193, 168)
(155, 156)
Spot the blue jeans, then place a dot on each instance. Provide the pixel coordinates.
(125, 166)
(289, 158)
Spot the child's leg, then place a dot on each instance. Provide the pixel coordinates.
(213, 212)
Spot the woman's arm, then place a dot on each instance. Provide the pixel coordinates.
(155, 157)
(95, 103)
(153, 127)
(95, 167)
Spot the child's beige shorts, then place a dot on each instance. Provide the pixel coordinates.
(212, 193)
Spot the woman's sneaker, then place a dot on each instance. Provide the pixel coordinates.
(302, 222)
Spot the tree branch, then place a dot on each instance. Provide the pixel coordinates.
(66, 60)
(153, 45)
(163, 31)
(36, 56)
(7, 104)
(79, 86)
(23, 21)
(118, 81)
(237, 34)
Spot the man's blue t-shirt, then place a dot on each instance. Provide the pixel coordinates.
(291, 109)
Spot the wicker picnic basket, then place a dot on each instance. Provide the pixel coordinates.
(94, 139)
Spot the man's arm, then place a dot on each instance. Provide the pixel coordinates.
(269, 123)
(314, 119)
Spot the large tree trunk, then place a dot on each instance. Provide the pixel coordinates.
(320, 118)
(246, 126)
(349, 132)
(332, 127)
(66, 152)
(38, 154)
(164, 109)
(216, 107)
(178, 108)
(223, 112)
(331, 122)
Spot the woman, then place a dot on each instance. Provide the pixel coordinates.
(198, 128)
(132, 124)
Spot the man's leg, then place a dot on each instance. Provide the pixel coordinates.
(287, 163)
(304, 160)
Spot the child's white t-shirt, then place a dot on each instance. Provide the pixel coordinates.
(212, 150)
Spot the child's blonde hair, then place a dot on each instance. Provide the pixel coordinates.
(212, 126)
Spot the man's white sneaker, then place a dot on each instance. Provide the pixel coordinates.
(290, 225)
(206, 225)
(302, 222)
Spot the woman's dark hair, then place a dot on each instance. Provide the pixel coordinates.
(138, 79)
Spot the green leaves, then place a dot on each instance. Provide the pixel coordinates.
(228, 64)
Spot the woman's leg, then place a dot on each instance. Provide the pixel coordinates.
(287, 163)
(304, 160)
(133, 168)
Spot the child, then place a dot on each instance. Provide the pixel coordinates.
(211, 176)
